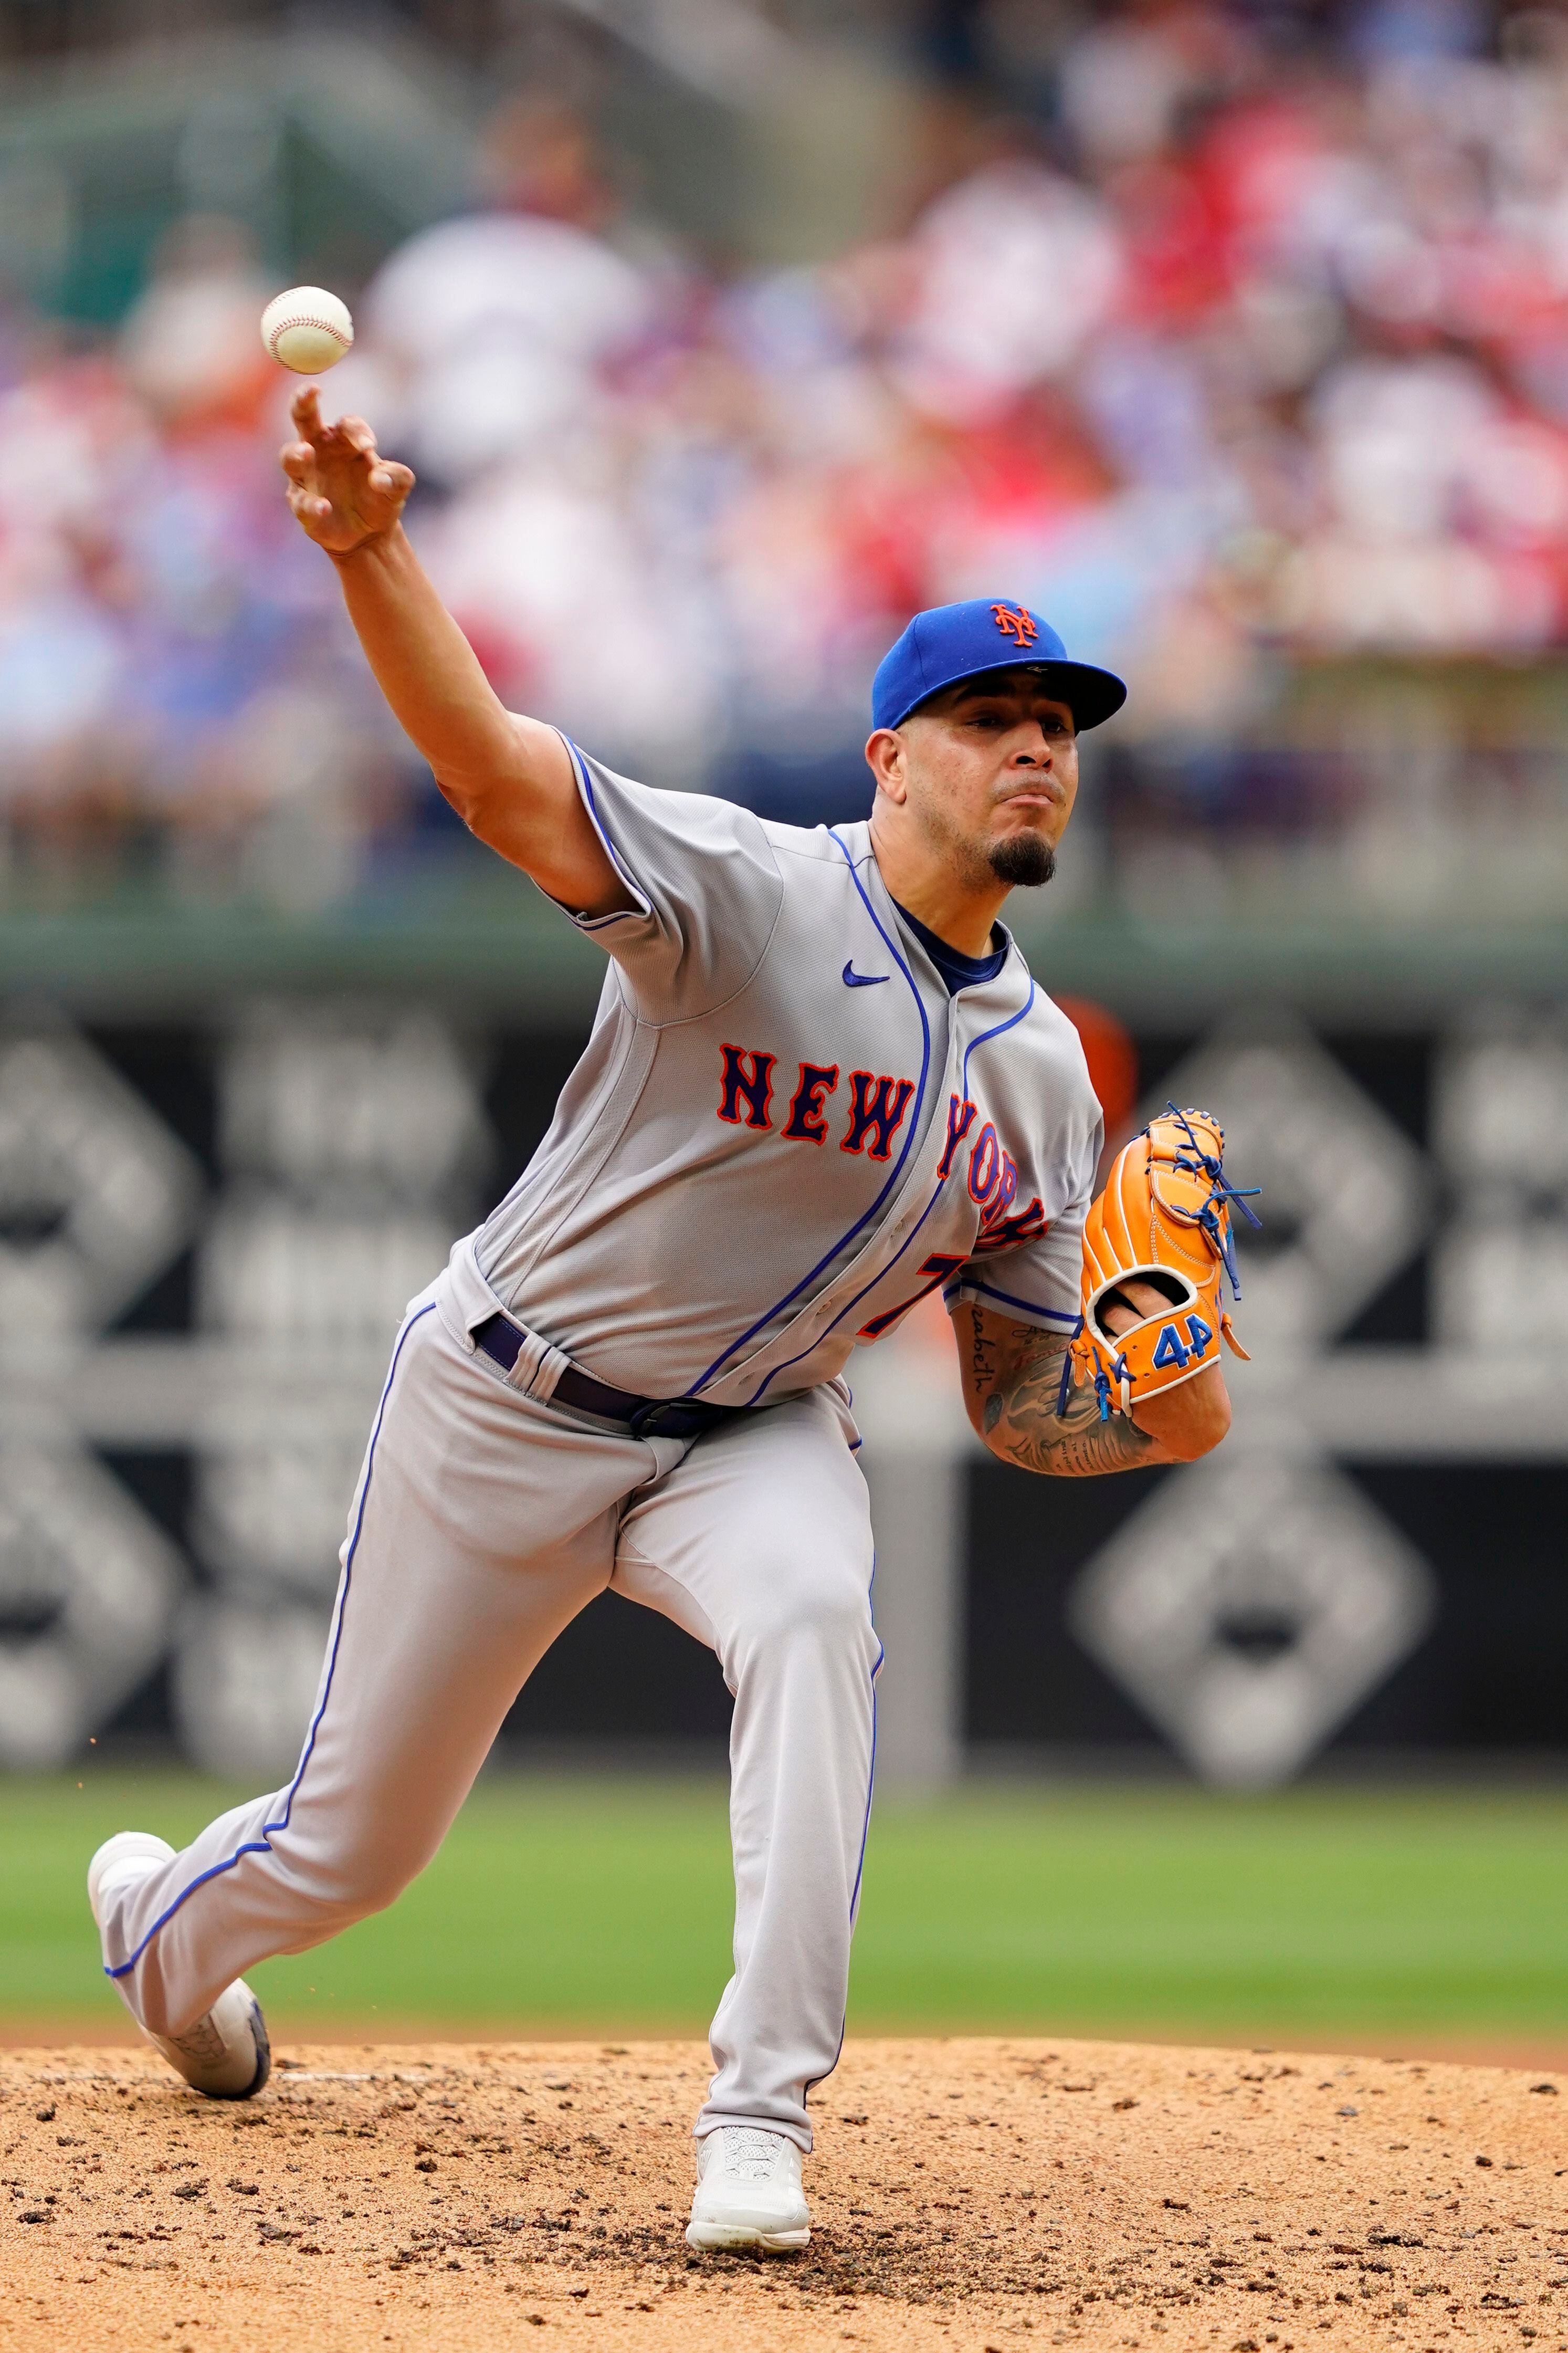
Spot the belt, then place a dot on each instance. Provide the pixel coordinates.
(645, 1417)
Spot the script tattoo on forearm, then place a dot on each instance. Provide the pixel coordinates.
(1020, 1418)
(985, 1358)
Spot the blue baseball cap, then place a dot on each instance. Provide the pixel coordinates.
(955, 641)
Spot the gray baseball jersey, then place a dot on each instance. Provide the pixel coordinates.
(784, 1131)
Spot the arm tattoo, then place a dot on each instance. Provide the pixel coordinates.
(1019, 1414)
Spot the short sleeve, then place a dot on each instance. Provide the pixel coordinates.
(706, 884)
(1030, 1267)
(1037, 1281)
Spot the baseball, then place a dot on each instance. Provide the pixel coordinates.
(306, 329)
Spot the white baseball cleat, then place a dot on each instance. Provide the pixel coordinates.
(748, 2191)
(224, 2054)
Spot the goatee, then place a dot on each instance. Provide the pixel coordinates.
(1024, 861)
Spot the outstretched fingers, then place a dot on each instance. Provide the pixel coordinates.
(305, 409)
(307, 506)
(341, 488)
(347, 432)
(394, 480)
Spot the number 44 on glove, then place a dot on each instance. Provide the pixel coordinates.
(1165, 1220)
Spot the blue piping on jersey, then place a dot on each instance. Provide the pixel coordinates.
(872, 1777)
(617, 915)
(263, 1845)
(851, 1304)
(986, 1035)
(698, 1385)
(883, 1272)
(1056, 1315)
(812, 2081)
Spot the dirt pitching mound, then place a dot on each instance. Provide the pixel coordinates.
(965, 2194)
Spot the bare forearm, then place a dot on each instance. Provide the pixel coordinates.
(1077, 1444)
(1017, 1416)
(425, 667)
(1013, 1387)
(511, 780)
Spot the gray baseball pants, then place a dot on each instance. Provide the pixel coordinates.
(482, 1524)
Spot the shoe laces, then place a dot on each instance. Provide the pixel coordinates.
(748, 2154)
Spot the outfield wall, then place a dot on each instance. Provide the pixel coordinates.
(215, 1203)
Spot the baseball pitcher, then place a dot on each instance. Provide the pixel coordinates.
(821, 1083)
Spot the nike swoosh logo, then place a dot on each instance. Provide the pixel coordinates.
(853, 979)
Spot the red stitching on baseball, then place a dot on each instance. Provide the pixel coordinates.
(327, 326)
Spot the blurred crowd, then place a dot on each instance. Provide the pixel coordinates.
(1244, 363)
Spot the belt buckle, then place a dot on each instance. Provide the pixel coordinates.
(668, 1417)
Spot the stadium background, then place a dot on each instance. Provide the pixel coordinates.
(1234, 338)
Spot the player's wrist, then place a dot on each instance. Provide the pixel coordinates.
(376, 547)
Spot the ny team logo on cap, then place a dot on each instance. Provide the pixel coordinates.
(1018, 627)
(952, 642)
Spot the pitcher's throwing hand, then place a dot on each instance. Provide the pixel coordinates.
(342, 490)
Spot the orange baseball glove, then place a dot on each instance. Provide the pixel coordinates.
(1165, 1220)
